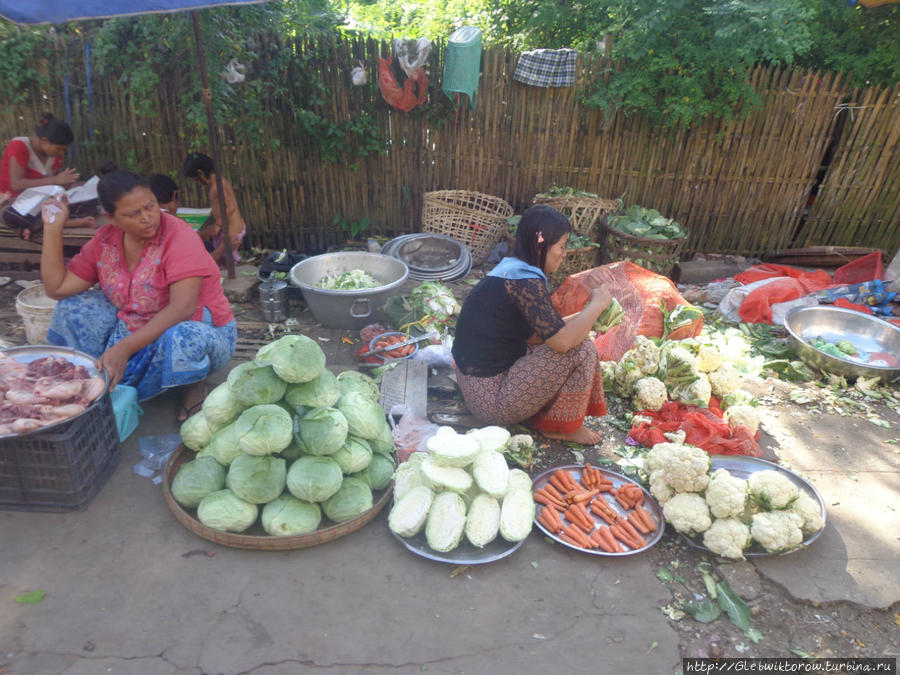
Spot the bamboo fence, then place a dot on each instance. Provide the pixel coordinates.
(740, 186)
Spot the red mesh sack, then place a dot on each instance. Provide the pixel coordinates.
(703, 427)
(413, 92)
(819, 278)
(639, 291)
(867, 268)
(757, 306)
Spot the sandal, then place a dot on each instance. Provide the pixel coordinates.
(184, 412)
(466, 420)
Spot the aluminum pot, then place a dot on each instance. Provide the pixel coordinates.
(867, 333)
(348, 309)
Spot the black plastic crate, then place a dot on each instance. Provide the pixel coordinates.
(62, 468)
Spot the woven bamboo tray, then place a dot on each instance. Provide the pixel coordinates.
(585, 213)
(477, 220)
(656, 255)
(261, 541)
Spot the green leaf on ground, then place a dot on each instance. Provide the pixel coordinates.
(31, 597)
(664, 575)
(732, 604)
(704, 610)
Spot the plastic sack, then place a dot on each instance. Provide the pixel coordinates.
(815, 279)
(703, 427)
(866, 268)
(411, 434)
(638, 291)
(413, 93)
(757, 306)
(412, 54)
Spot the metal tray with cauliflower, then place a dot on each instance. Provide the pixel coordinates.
(742, 466)
(618, 481)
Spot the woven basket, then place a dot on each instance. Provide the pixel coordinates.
(585, 213)
(475, 219)
(656, 255)
(576, 260)
(262, 541)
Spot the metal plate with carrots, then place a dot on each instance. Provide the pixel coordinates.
(596, 511)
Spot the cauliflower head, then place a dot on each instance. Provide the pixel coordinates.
(724, 380)
(685, 468)
(696, 393)
(727, 537)
(771, 489)
(608, 370)
(659, 488)
(726, 495)
(627, 374)
(649, 394)
(743, 415)
(709, 358)
(777, 530)
(688, 513)
(644, 354)
(808, 509)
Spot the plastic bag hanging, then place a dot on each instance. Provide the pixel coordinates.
(358, 74)
(413, 93)
(234, 72)
(462, 64)
(412, 54)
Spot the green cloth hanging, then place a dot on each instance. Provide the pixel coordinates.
(462, 63)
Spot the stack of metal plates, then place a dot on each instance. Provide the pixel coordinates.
(431, 256)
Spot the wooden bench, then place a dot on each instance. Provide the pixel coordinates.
(16, 250)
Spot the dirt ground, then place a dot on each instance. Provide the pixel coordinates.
(791, 624)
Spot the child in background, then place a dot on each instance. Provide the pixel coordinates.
(166, 191)
(199, 167)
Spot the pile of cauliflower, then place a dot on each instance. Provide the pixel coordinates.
(689, 371)
(730, 512)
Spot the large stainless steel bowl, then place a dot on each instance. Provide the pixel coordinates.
(867, 333)
(348, 309)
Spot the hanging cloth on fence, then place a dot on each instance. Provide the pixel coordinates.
(462, 64)
(547, 67)
(412, 93)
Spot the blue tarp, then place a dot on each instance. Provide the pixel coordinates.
(60, 11)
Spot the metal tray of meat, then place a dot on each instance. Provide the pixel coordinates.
(742, 466)
(650, 504)
(464, 554)
(30, 353)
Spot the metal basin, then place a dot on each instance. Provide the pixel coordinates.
(348, 309)
(868, 334)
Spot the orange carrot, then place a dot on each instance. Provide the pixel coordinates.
(566, 478)
(633, 533)
(575, 517)
(623, 536)
(585, 496)
(577, 535)
(550, 497)
(604, 534)
(600, 542)
(635, 520)
(557, 483)
(583, 513)
(569, 540)
(647, 518)
(547, 521)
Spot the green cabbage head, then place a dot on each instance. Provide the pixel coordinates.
(383, 443)
(256, 479)
(295, 358)
(353, 499)
(354, 455)
(223, 510)
(196, 479)
(254, 384)
(314, 479)
(353, 380)
(288, 515)
(221, 407)
(323, 431)
(321, 392)
(379, 472)
(365, 417)
(264, 429)
(196, 432)
(223, 446)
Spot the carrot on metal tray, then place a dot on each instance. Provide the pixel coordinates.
(647, 518)
(637, 523)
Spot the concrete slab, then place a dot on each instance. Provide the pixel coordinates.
(243, 287)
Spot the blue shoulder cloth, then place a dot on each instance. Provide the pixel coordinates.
(514, 268)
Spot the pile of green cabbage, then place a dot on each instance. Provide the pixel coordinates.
(462, 489)
(285, 441)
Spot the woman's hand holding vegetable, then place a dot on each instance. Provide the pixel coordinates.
(578, 326)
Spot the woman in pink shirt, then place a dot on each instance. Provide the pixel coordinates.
(160, 319)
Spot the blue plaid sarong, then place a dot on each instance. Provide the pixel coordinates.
(547, 67)
(187, 352)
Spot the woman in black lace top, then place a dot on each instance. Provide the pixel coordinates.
(517, 358)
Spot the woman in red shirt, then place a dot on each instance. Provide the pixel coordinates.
(33, 161)
(160, 318)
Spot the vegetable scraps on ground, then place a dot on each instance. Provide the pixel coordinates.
(286, 443)
(462, 490)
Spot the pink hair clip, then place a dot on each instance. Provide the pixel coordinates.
(540, 237)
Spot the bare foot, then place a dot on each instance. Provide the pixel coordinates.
(582, 435)
(192, 397)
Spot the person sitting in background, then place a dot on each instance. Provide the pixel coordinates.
(517, 358)
(160, 319)
(166, 192)
(199, 167)
(33, 161)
